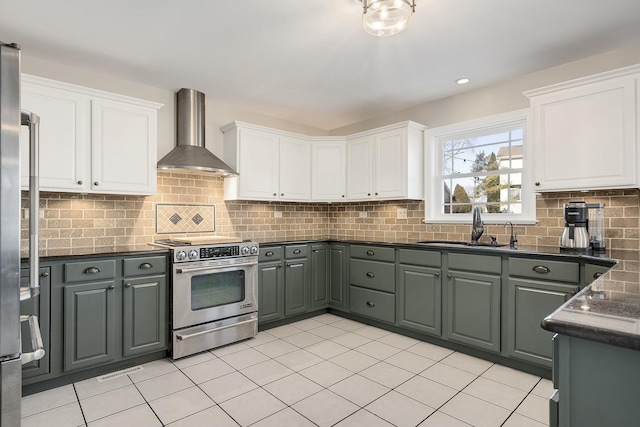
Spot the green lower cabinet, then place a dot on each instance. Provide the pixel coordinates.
(144, 315)
(296, 285)
(419, 299)
(338, 276)
(89, 324)
(473, 309)
(320, 275)
(270, 291)
(373, 303)
(531, 301)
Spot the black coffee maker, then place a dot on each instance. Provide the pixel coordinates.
(580, 234)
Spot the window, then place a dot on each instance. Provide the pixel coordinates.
(479, 163)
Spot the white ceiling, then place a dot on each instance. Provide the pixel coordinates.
(309, 61)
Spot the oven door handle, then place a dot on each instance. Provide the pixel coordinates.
(190, 270)
(196, 334)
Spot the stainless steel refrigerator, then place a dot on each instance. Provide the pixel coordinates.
(11, 120)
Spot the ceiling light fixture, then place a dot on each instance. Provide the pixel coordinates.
(463, 80)
(386, 17)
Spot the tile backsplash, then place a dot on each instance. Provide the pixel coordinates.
(74, 221)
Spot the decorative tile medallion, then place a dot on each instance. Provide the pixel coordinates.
(185, 219)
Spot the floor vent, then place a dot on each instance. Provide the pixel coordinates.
(117, 374)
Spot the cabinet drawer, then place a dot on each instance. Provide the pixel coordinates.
(145, 266)
(545, 269)
(373, 275)
(370, 303)
(296, 251)
(419, 257)
(475, 263)
(272, 253)
(89, 271)
(375, 253)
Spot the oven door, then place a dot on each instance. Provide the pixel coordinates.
(207, 291)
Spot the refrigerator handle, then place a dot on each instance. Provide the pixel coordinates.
(36, 340)
(33, 122)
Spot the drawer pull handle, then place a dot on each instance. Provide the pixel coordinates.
(297, 251)
(91, 270)
(436, 275)
(295, 265)
(45, 274)
(127, 285)
(542, 269)
(449, 276)
(145, 266)
(597, 274)
(279, 265)
(370, 304)
(370, 274)
(269, 253)
(371, 253)
(110, 287)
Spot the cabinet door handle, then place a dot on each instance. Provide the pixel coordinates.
(449, 276)
(296, 251)
(45, 274)
(370, 274)
(295, 265)
(127, 285)
(376, 194)
(91, 270)
(368, 194)
(110, 287)
(80, 182)
(572, 293)
(537, 184)
(343, 195)
(542, 269)
(436, 275)
(269, 253)
(96, 183)
(597, 274)
(371, 253)
(279, 265)
(281, 194)
(145, 266)
(275, 194)
(371, 304)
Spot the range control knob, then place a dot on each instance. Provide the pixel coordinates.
(245, 250)
(181, 256)
(254, 250)
(193, 254)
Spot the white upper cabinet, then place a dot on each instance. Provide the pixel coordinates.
(584, 133)
(90, 141)
(271, 166)
(386, 163)
(328, 171)
(383, 164)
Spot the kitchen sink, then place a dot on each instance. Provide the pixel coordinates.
(460, 243)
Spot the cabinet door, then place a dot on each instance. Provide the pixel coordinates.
(90, 329)
(38, 306)
(295, 175)
(64, 138)
(319, 276)
(296, 286)
(270, 291)
(585, 137)
(258, 165)
(390, 170)
(328, 171)
(473, 309)
(123, 148)
(529, 302)
(338, 276)
(144, 315)
(360, 169)
(419, 299)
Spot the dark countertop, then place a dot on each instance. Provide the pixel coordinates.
(56, 254)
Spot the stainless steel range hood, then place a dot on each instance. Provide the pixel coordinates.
(189, 153)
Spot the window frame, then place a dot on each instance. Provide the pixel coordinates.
(434, 190)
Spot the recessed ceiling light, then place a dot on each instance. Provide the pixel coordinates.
(463, 80)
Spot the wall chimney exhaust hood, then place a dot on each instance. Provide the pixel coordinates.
(189, 153)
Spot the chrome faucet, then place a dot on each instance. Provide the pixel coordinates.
(477, 226)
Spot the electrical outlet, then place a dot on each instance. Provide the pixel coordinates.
(25, 213)
(362, 214)
(40, 213)
(401, 213)
(277, 214)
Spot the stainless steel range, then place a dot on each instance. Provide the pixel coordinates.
(214, 294)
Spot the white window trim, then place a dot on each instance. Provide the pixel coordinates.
(433, 168)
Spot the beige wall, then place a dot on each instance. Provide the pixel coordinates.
(72, 222)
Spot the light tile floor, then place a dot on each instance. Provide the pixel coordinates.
(323, 371)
